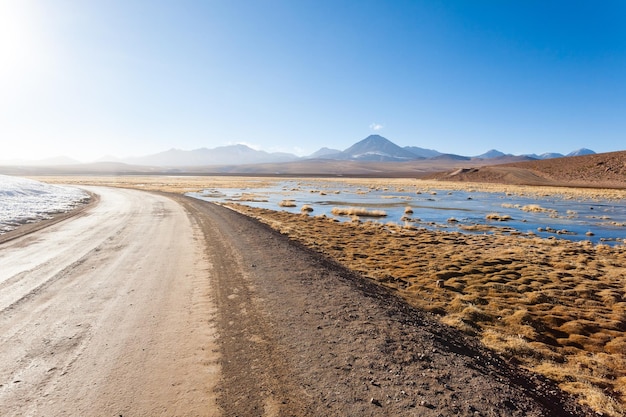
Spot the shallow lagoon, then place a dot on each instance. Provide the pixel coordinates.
(439, 209)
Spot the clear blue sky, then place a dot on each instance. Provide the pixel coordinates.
(123, 77)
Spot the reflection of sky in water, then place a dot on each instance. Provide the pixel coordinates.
(432, 209)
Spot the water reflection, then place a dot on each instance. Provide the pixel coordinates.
(464, 211)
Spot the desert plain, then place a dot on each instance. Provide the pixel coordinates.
(555, 307)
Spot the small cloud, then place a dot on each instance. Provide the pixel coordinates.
(376, 126)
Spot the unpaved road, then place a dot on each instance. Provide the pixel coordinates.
(154, 305)
(108, 314)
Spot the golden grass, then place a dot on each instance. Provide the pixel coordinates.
(536, 208)
(251, 198)
(498, 217)
(557, 306)
(287, 203)
(357, 211)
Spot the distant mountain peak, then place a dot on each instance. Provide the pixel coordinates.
(581, 151)
(376, 137)
(491, 154)
(377, 148)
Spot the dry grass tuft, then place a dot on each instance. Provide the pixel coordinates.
(357, 211)
(498, 217)
(510, 345)
(535, 208)
(596, 398)
(287, 203)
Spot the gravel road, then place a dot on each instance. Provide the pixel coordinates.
(162, 305)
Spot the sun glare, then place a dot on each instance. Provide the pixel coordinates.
(20, 40)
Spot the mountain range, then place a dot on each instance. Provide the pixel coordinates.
(223, 155)
(373, 148)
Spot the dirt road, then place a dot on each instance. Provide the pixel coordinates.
(108, 314)
(150, 305)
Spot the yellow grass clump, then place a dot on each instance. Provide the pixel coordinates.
(287, 203)
(498, 217)
(357, 211)
(536, 208)
(252, 197)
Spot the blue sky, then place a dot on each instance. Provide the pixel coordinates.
(123, 77)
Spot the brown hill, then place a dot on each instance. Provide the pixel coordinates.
(606, 170)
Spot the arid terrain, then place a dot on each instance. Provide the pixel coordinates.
(298, 314)
(148, 304)
(554, 307)
(606, 170)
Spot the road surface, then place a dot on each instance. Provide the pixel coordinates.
(108, 314)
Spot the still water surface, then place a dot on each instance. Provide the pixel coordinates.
(465, 211)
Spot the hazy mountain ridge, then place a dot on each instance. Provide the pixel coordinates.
(223, 155)
(422, 152)
(324, 153)
(547, 155)
(373, 148)
(551, 155)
